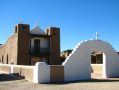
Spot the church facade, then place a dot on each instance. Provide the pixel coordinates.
(26, 47)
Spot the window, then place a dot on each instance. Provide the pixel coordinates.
(54, 32)
(36, 43)
(2, 58)
(23, 27)
(7, 58)
(36, 46)
(96, 58)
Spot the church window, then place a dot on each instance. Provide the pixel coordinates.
(23, 28)
(7, 58)
(2, 58)
(54, 32)
(36, 46)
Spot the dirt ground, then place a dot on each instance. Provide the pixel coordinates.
(95, 84)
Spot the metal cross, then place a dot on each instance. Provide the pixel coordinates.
(36, 23)
(97, 35)
(20, 22)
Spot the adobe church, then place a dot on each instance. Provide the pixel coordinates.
(26, 47)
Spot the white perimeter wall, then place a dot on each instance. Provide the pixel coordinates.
(78, 65)
(41, 73)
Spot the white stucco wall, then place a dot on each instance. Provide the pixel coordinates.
(43, 42)
(41, 73)
(78, 65)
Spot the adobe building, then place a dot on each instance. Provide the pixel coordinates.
(64, 54)
(26, 47)
(29, 46)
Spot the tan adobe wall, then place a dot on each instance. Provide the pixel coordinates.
(16, 49)
(5, 69)
(56, 73)
(9, 50)
(25, 71)
(40, 73)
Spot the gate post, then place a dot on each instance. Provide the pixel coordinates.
(41, 73)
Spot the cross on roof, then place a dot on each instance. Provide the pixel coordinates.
(97, 35)
(36, 23)
(20, 22)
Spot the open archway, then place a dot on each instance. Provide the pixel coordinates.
(97, 65)
(78, 65)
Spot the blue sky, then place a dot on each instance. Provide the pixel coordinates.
(77, 19)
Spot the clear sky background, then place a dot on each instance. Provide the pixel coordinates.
(77, 19)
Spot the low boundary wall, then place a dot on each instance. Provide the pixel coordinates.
(56, 73)
(40, 73)
(5, 68)
(21, 70)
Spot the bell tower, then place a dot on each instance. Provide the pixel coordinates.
(54, 32)
(23, 31)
